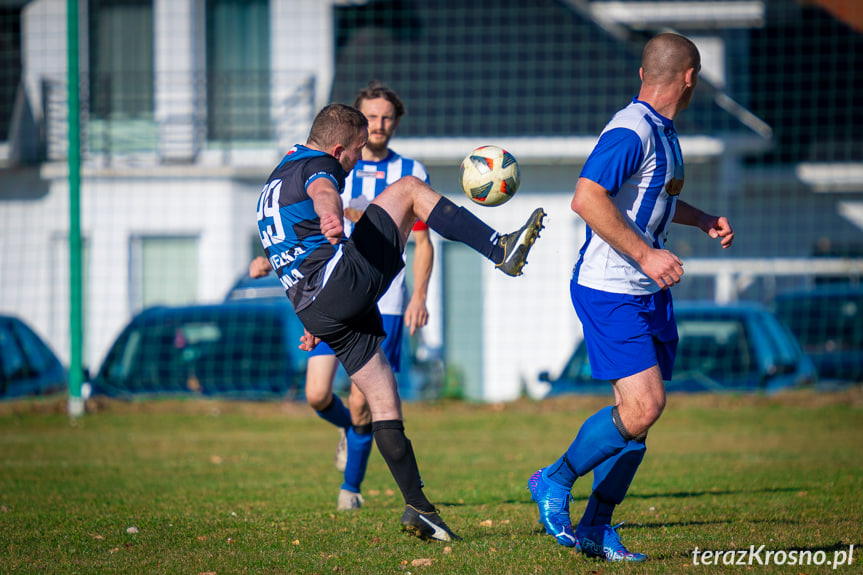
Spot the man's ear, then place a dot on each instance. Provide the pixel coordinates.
(690, 72)
(337, 150)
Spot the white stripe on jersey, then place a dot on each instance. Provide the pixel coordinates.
(647, 198)
(365, 182)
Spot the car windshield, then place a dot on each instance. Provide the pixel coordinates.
(717, 347)
(782, 343)
(824, 323)
(211, 353)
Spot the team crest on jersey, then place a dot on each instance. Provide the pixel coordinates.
(673, 187)
(377, 174)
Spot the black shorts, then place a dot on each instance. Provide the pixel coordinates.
(345, 314)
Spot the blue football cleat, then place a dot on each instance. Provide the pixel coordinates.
(603, 541)
(553, 503)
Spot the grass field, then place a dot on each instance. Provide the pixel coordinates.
(198, 486)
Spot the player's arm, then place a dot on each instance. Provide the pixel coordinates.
(416, 314)
(714, 226)
(592, 203)
(328, 207)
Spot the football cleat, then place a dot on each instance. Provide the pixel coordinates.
(341, 458)
(553, 503)
(348, 500)
(517, 244)
(603, 541)
(426, 525)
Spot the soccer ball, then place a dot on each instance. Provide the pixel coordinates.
(489, 176)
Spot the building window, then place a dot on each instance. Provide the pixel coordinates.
(463, 318)
(164, 271)
(10, 65)
(238, 70)
(121, 59)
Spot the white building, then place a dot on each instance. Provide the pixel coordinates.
(187, 106)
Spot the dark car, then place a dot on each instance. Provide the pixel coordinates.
(424, 376)
(27, 365)
(247, 289)
(246, 351)
(724, 348)
(828, 323)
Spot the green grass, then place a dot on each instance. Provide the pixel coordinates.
(220, 487)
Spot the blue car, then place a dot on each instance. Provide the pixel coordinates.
(828, 323)
(424, 377)
(241, 351)
(27, 365)
(248, 289)
(723, 348)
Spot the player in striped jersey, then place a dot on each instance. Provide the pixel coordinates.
(628, 194)
(334, 282)
(378, 168)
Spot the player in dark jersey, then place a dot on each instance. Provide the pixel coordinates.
(334, 283)
(379, 167)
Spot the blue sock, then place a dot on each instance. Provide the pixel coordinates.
(359, 449)
(611, 480)
(458, 224)
(336, 413)
(597, 440)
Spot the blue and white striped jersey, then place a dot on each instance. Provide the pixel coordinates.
(638, 160)
(365, 182)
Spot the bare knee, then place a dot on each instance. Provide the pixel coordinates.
(640, 401)
(410, 181)
(650, 413)
(320, 372)
(318, 399)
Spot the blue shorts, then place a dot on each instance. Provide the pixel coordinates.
(626, 334)
(392, 345)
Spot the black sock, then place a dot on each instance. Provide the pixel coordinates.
(458, 224)
(396, 450)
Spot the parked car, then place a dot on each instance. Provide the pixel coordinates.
(247, 289)
(244, 351)
(27, 365)
(424, 374)
(828, 323)
(723, 348)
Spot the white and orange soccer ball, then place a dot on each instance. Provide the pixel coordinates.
(489, 176)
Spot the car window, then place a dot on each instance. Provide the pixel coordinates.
(240, 351)
(578, 366)
(824, 323)
(783, 346)
(12, 359)
(119, 364)
(38, 356)
(234, 349)
(717, 347)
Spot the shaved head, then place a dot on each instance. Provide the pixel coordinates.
(666, 56)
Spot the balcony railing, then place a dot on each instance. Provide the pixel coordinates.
(217, 115)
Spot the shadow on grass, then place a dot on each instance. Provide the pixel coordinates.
(687, 494)
(673, 495)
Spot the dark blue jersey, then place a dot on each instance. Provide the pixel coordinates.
(289, 227)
